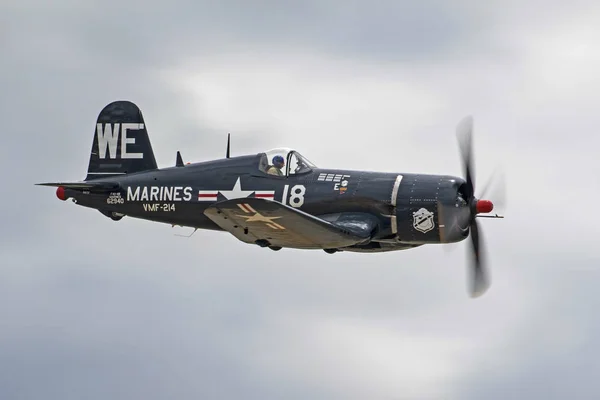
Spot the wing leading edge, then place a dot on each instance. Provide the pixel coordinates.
(269, 223)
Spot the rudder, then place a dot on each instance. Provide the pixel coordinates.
(121, 144)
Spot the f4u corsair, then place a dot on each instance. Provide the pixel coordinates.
(279, 198)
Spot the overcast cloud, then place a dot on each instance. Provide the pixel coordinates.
(91, 308)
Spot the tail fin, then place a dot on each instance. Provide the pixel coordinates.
(121, 144)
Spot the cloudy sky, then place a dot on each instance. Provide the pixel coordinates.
(95, 309)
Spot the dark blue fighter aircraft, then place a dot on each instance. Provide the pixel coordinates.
(279, 199)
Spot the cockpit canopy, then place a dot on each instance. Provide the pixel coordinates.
(294, 162)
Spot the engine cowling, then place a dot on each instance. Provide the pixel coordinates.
(431, 209)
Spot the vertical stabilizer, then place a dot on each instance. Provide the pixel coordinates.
(121, 144)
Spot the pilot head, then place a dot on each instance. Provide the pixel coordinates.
(278, 161)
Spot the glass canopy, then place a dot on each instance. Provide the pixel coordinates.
(294, 163)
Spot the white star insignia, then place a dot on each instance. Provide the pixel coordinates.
(236, 192)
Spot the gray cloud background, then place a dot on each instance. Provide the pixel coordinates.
(90, 308)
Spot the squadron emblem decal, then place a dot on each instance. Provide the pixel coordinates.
(423, 220)
(340, 181)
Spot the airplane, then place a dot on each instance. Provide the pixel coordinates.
(278, 198)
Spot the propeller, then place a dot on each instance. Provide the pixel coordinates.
(479, 277)
(495, 188)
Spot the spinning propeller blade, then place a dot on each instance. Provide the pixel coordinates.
(495, 188)
(480, 281)
(479, 275)
(464, 132)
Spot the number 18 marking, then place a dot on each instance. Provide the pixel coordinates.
(296, 198)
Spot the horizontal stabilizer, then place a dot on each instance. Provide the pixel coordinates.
(267, 222)
(91, 186)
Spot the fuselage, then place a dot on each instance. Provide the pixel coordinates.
(412, 209)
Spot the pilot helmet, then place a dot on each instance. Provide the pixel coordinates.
(278, 161)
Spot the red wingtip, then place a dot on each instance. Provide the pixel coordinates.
(60, 193)
(484, 206)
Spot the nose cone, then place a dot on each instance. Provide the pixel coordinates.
(484, 206)
(60, 193)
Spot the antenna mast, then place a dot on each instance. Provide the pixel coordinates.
(227, 155)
